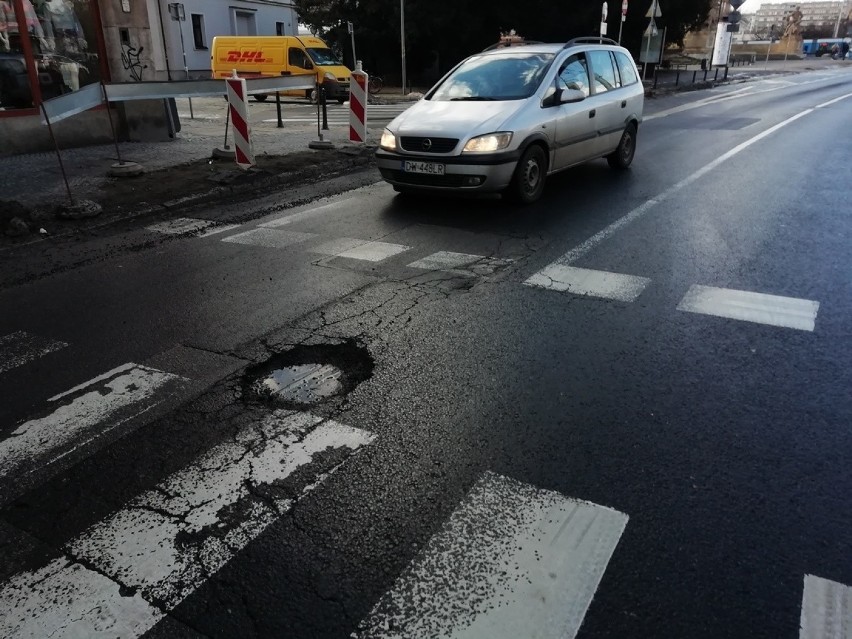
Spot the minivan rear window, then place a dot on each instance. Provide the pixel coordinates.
(508, 76)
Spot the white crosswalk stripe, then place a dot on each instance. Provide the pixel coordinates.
(464, 264)
(759, 308)
(20, 347)
(86, 413)
(186, 225)
(166, 542)
(826, 610)
(269, 238)
(355, 249)
(582, 281)
(512, 561)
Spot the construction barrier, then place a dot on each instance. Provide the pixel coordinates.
(237, 96)
(358, 105)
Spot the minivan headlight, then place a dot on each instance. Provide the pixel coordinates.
(488, 143)
(330, 76)
(388, 142)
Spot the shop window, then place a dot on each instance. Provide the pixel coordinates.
(198, 31)
(64, 39)
(15, 89)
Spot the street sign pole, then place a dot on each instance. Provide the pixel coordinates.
(604, 14)
(623, 19)
(402, 39)
(649, 32)
(351, 28)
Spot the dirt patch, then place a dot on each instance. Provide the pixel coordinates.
(220, 178)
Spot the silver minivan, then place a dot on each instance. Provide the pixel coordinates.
(504, 119)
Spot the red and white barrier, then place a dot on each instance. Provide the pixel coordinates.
(358, 105)
(239, 121)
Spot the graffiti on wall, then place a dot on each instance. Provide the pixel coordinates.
(130, 60)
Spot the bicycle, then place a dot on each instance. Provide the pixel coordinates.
(375, 84)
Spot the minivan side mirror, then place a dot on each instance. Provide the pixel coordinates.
(569, 96)
(308, 65)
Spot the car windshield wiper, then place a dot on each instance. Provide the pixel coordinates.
(473, 98)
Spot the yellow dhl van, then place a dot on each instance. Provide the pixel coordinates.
(273, 56)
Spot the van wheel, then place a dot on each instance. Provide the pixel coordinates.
(528, 182)
(312, 96)
(261, 97)
(622, 157)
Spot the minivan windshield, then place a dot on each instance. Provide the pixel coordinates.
(324, 57)
(507, 76)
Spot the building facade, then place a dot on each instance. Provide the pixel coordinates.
(815, 15)
(53, 47)
(199, 21)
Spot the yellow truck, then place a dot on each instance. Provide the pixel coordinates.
(273, 56)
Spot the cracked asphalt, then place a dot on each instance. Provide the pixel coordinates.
(725, 443)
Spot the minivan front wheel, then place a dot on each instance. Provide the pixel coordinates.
(528, 182)
(622, 157)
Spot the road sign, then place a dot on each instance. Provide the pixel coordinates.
(624, 8)
(652, 30)
(654, 11)
(604, 11)
(736, 4)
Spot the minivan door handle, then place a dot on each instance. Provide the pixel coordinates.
(592, 113)
(623, 103)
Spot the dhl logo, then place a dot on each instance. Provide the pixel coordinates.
(246, 56)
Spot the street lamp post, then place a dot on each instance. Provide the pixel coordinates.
(402, 40)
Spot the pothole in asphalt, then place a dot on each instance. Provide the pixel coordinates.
(309, 375)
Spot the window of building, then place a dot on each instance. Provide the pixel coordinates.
(64, 41)
(279, 28)
(244, 23)
(198, 31)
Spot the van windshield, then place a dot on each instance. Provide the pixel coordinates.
(324, 58)
(508, 76)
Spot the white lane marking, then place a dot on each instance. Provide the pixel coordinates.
(269, 238)
(834, 101)
(89, 605)
(512, 561)
(168, 541)
(584, 248)
(464, 264)
(582, 281)
(788, 312)
(359, 249)
(20, 347)
(215, 230)
(826, 610)
(110, 401)
(303, 215)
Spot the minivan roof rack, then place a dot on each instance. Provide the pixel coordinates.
(589, 40)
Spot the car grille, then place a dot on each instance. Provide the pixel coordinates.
(423, 179)
(436, 145)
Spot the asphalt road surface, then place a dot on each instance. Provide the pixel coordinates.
(622, 412)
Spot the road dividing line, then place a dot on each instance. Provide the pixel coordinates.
(582, 281)
(102, 404)
(512, 561)
(826, 610)
(168, 541)
(774, 310)
(269, 238)
(834, 101)
(20, 347)
(576, 253)
(355, 249)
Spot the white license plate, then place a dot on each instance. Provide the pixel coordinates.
(429, 168)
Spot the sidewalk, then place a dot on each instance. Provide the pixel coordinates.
(181, 168)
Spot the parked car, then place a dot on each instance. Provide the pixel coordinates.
(504, 119)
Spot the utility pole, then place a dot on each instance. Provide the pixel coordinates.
(402, 40)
